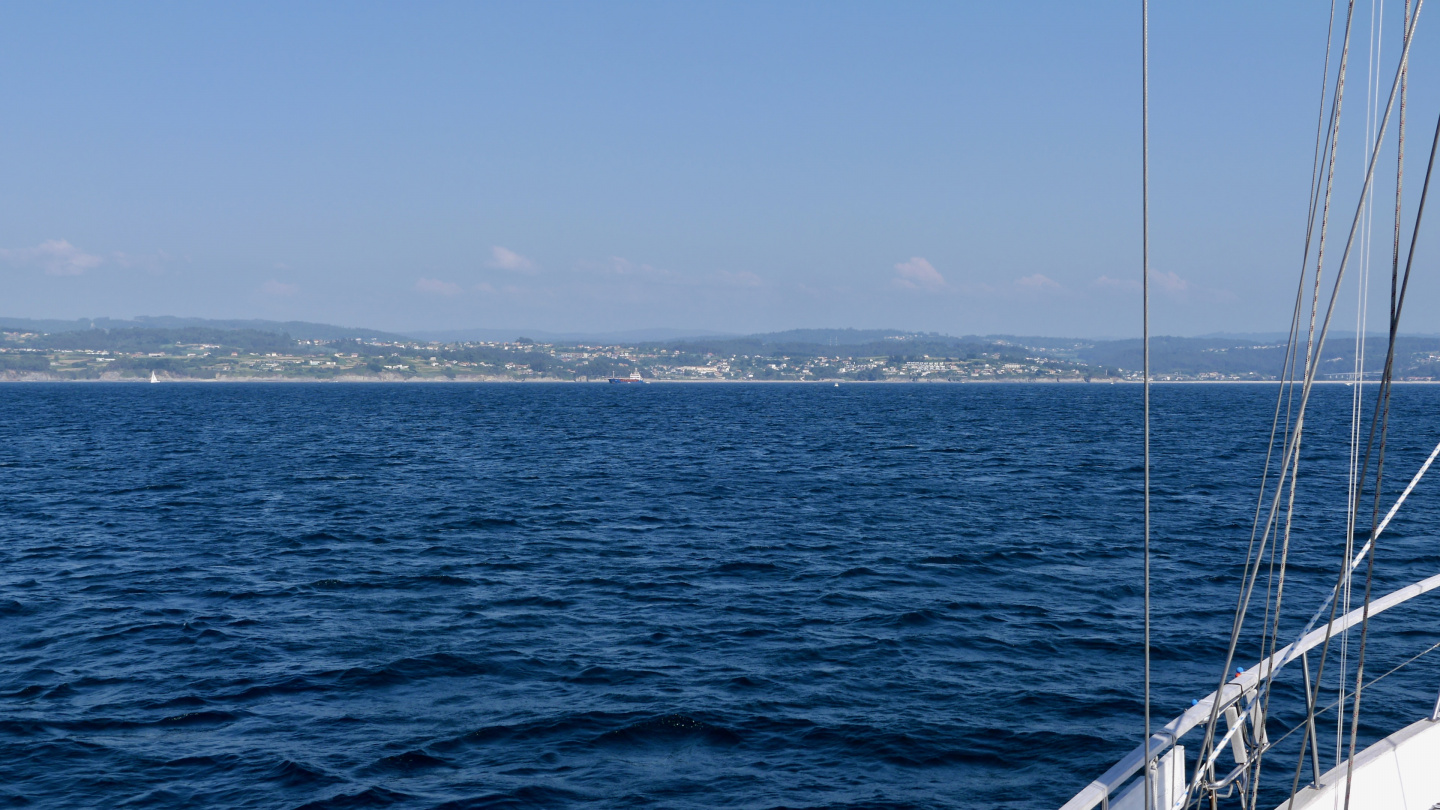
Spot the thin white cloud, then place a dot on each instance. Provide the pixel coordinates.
(742, 278)
(918, 274)
(1169, 283)
(506, 259)
(56, 257)
(624, 267)
(279, 289)
(1039, 282)
(1116, 283)
(486, 288)
(437, 287)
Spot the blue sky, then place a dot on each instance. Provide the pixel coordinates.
(948, 166)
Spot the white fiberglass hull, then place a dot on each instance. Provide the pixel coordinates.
(1401, 772)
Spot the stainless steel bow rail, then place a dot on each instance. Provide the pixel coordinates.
(1245, 736)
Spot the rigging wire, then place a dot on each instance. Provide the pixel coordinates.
(1315, 346)
(1407, 662)
(1357, 473)
(1290, 464)
(1296, 646)
(1409, 33)
(1344, 263)
(1398, 289)
(1355, 485)
(1145, 326)
(1382, 401)
(1275, 583)
(1285, 395)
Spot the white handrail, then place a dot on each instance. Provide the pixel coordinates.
(1096, 792)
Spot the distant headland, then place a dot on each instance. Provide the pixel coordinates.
(176, 349)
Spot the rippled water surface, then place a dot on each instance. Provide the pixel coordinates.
(620, 596)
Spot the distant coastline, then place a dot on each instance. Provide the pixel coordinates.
(35, 379)
(174, 349)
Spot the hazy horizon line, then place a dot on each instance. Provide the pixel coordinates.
(488, 334)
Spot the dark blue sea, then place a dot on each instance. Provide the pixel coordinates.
(668, 596)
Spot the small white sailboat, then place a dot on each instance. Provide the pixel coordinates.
(1232, 730)
(153, 378)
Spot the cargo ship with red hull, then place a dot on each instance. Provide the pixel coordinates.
(633, 378)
